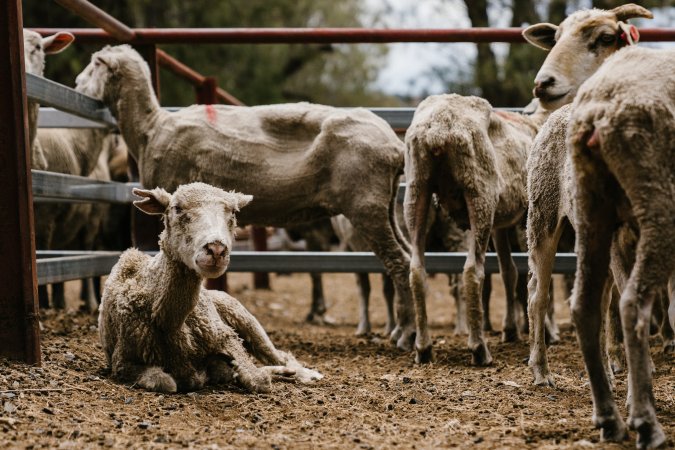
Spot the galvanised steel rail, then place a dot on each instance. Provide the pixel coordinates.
(59, 187)
(318, 35)
(57, 266)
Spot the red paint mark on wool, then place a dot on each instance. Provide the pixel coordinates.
(211, 114)
(506, 115)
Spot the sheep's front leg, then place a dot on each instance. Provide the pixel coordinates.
(507, 267)
(389, 293)
(318, 309)
(261, 347)
(461, 327)
(364, 289)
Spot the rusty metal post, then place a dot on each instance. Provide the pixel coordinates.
(145, 229)
(19, 327)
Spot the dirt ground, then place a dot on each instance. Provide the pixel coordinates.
(372, 396)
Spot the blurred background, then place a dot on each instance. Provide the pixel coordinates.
(339, 75)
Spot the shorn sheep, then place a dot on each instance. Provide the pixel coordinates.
(161, 329)
(620, 137)
(582, 43)
(302, 162)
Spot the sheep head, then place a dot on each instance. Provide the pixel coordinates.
(578, 46)
(35, 48)
(199, 224)
(110, 63)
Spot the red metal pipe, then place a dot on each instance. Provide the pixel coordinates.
(194, 77)
(98, 17)
(321, 35)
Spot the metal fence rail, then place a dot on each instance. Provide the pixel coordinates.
(57, 266)
(58, 187)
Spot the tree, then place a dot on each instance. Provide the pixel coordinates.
(256, 74)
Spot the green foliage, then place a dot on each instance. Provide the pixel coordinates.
(339, 75)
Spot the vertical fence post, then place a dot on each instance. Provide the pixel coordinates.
(19, 327)
(145, 229)
(206, 95)
(261, 280)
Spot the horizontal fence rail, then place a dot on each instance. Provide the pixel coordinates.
(53, 118)
(51, 187)
(57, 266)
(318, 35)
(50, 93)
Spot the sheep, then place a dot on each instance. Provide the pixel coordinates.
(591, 36)
(64, 226)
(35, 48)
(301, 161)
(620, 139)
(473, 158)
(161, 329)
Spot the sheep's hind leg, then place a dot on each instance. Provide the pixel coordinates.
(364, 289)
(389, 292)
(667, 332)
(594, 234)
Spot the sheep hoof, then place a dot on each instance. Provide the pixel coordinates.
(542, 377)
(155, 379)
(612, 428)
(363, 329)
(306, 376)
(551, 336)
(424, 356)
(615, 365)
(480, 355)
(510, 334)
(650, 434)
(461, 330)
(669, 347)
(406, 339)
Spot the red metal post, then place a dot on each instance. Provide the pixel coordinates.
(145, 229)
(320, 35)
(98, 17)
(19, 324)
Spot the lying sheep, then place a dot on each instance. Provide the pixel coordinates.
(302, 162)
(591, 35)
(161, 329)
(620, 137)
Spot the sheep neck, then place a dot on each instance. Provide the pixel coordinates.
(137, 110)
(177, 292)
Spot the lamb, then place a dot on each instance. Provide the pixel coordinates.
(620, 139)
(590, 35)
(300, 161)
(35, 48)
(161, 329)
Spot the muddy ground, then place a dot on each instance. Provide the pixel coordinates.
(372, 396)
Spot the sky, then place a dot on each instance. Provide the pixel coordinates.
(407, 69)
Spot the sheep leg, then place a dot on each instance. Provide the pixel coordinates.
(58, 296)
(318, 309)
(594, 231)
(486, 292)
(389, 292)
(667, 333)
(507, 267)
(552, 331)
(254, 335)
(364, 289)
(480, 218)
(542, 256)
(88, 295)
(416, 210)
(461, 327)
(614, 334)
(637, 300)
(152, 378)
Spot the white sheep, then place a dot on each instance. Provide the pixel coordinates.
(35, 48)
(302, 162)
(473, 158)
(161, 329)
(582, 43)
(620, 138)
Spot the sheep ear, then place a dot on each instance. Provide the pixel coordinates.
(155, 201)
(241, 200)
(57, 43)
(541, 35)
(631, 10)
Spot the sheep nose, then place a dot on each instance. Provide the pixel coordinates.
(216, 249)
(541, 84)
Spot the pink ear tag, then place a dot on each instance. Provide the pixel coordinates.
(630, 34)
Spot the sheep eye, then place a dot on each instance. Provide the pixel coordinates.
(607, 39)
(177, 209)
(39, 47)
